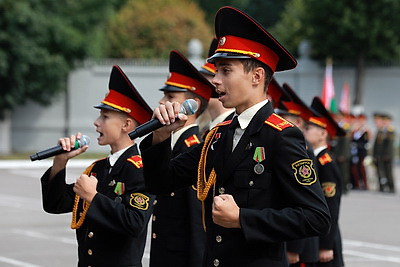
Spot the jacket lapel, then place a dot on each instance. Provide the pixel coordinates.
(245, 147)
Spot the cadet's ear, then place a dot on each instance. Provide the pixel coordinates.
(129, 124)
(258, 76)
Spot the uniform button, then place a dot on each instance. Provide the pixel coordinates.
(251, 183)
(155, 202)
(216, 262)
(90, 235)
(221, 190)
(218, 238)
(172, 194)
(154, 236)
(154, 218)
(90, 252)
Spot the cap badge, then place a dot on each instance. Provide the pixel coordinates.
(222, 41)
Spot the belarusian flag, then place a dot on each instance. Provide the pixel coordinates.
(328, 89)
(344, 104)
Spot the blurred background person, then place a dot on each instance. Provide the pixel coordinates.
(359, 150)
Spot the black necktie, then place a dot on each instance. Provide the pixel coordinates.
(229, 136)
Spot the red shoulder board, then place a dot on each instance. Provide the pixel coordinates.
(277, 122)
(136, 160)
(325, 158)
(192, 140)
(223, 123)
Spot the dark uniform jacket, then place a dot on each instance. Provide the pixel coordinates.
(178, 237)
(283, 202)
(329, 177)
(307, 248)
(115, 228)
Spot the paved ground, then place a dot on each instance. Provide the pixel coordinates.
(31, 238)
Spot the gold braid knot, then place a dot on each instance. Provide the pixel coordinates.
(85, 205)
(204, 184)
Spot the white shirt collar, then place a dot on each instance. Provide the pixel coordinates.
(319, 149)
(175, 135)
(246, 116)
(114, 157)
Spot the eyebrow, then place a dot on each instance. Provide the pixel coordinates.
(224, 64)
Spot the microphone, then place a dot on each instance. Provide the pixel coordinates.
(188, 107)
(85, 140)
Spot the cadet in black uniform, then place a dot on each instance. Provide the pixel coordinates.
(257, 185)
(178, 238)
(302, 252)
(110, 207)
(321, 128)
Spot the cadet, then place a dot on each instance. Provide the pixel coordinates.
(321, 128)
(178, 238)
(340, 149)
(109, 205)
(257, 185)
(302, 252)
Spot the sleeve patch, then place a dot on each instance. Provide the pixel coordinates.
(329, 189)
(277, 122)
(324, 159)
(304, 172)
(136, 160)
(192, 140)
(139, 201)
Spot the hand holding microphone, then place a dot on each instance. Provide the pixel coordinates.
(165, 115)
(66, 145)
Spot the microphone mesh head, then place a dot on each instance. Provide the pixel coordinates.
(85, 140)
(189, 107)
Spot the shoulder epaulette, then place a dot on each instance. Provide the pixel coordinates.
(277, 122)
(192, 140)
(224, 123)
(136, 160)
(325, 158)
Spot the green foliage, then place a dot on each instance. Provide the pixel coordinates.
(344, 29)
(266, 12)
(39, 42)
(151, 29)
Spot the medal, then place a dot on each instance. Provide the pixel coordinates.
(259, 156)
(111, 183)
(119, 190)
(259, 168)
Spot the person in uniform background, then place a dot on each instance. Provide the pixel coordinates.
(257, 185)
(340, 149)
(302, 252)
(178, 238)
(216, 111)
(359, 150)
(319, 131)
(387, 181)
(110, 207)
(378, 148)
(383, 151)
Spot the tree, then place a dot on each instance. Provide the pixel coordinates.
(351, 31)
(266, 12)
(39, 42)
(151, 29)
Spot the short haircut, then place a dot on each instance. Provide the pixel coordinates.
(251, 64)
